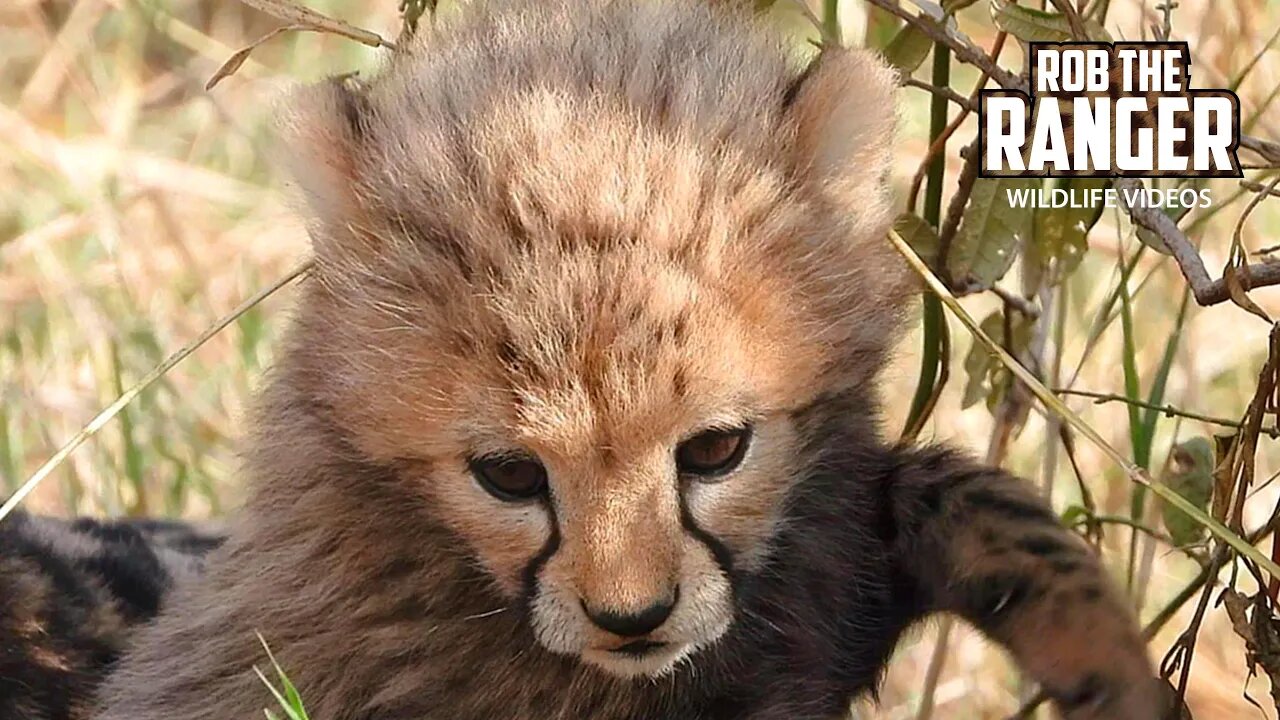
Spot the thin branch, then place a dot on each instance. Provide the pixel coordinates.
(1258, 187)
(940, 143)
(933, 673)
(955, 211)
(1016, 302)
(963, 48)
(1181, 655)
(1165, 29)
(1269, 151)
(824, 36)
(1168, 410)
(296, 14)
(1127, 522)
(1206, 291)
(1238, 262)
(948, 93)
(1073, 19)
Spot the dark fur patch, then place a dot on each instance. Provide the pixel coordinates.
(72, 591)
(724, 558)
(995, 596)
(1013, 509)
(1044, 545)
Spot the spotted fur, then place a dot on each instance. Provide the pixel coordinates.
(583, 232)
(71, 593)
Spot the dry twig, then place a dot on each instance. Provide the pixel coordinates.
(1205, 290)
(1168, 410)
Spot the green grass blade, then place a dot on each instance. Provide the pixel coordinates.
(1159, 383)
(289, 698)
(934, 322)
(1132, 382)
(284, 704)
(133, 454)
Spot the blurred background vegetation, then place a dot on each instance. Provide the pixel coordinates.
(136, 208)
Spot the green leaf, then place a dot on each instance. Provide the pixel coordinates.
(1031, 25)
(986, 376)
(991, 231)
(289, 700)
(882, 28)
(919, 234)
(908, 49)
(1073, 515)
(1062, 233)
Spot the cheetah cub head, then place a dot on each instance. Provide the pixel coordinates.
(578, 317)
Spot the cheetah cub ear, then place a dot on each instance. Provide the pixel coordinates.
(321, 127)
(844, 111)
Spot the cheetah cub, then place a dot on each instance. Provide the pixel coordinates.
(577, 415)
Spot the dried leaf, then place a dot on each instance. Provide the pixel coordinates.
(1237, 606)
(1175, 708)
(991, 231)
(1260, 631)
(299, 15)
(411, 11)
(1031, 25)
(237, 59)
(1236, 277)
(1224, 448)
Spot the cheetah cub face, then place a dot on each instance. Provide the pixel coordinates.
(580, 329)
(614, 456)
(615, 480)
(619, 490)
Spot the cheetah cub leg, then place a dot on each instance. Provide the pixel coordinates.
(977, 542)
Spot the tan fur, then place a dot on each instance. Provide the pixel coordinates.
(616, 272)
(582, 231)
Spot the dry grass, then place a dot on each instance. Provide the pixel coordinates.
(135, 208)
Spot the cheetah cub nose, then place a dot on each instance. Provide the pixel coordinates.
(633, 624)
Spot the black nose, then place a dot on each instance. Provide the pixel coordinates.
(633, 624)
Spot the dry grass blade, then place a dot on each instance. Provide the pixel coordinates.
(1057, 407)
(233, 63)
(298, 15)
(159, 371)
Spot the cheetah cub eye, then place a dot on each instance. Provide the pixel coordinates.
(714, 453)
(512, 478)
